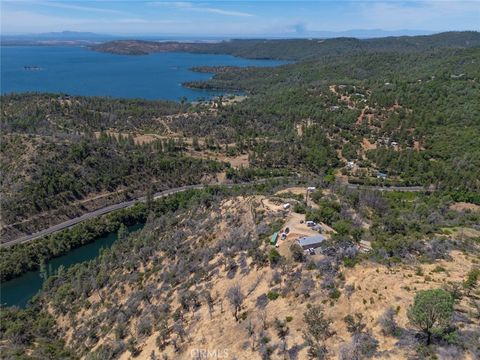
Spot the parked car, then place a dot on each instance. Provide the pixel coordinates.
(311, 251)
(311, 223)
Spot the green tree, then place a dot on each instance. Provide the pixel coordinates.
(316, 332)
(274, 257)
(431, 310)
(297, 252)
(122, 232)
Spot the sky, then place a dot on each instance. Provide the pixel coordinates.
(235, 18)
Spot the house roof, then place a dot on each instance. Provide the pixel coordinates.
(311, 240)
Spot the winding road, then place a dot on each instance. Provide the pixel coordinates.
(389, 188)
(126, 204)
(114, 207)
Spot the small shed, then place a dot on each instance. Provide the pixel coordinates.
(311, 242)
(273, 240)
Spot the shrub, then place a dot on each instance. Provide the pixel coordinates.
(274, 257)
(297, 252)
(438, 269)
(273, 295)
(334, 294)
(472, 279)
(299, 208)
(351, 262)
(355, 323)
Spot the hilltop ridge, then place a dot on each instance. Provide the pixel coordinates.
(297, 49)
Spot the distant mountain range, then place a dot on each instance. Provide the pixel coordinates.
(74, 37)
(64, 37)
(367, 33)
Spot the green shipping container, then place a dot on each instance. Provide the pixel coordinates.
(273, 240)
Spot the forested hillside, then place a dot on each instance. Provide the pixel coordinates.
(395, 274)
(297, 49)
(426, 104)
(60, 161)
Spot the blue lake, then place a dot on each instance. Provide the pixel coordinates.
(80, 71)
(21, 289)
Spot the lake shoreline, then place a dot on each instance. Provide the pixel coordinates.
(80, 71)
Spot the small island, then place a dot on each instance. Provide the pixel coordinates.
(32, 68)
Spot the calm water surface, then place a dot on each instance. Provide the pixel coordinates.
(19, 290)
(80, 71)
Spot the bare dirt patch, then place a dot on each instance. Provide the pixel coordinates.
(235, 161)
(305, 123)
(464, 206)
(367, 145)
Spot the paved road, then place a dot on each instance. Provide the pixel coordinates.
(108, 209)
(389, 188)
(126, 204)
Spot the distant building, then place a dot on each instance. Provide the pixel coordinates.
(311, 242)
(381, 175)
(365, 246)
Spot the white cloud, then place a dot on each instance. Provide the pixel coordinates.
(183, 5)
(430, 14)
(82, 8)
(57, 5)
(19, 22)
